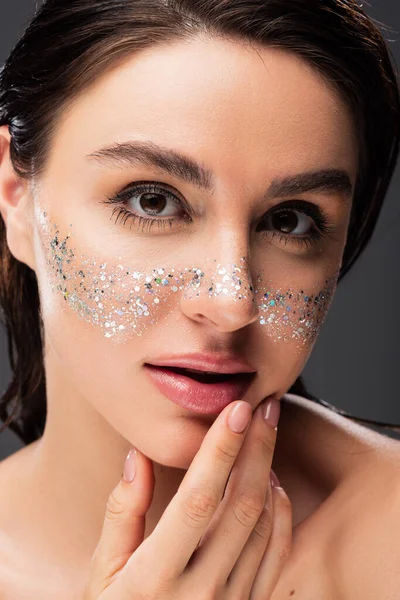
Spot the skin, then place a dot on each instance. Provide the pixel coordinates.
(250, 116)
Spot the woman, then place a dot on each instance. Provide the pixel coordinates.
(182, 185)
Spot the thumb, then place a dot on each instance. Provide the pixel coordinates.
(125, 519)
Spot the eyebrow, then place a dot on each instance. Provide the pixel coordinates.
(176, 164)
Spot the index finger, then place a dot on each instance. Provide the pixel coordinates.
(190, 511)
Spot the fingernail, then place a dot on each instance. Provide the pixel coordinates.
(239, 417)
(272, 410)
(274, 479)
(130, 466)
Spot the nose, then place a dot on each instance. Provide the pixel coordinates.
(221, 296)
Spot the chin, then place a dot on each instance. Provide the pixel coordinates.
(176, 445)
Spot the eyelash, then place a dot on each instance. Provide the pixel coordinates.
(323, 222)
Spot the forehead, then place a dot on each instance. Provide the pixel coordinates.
(242, 109)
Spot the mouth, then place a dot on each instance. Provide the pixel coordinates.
(201, 391)
(209, 376)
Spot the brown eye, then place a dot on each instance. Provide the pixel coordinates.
(153, 203)
(285, 221)
(147, 203)
(291, 222)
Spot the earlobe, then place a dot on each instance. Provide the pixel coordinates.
(14, 204)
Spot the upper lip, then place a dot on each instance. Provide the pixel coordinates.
(204, 362)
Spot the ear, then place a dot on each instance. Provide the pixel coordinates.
(15, 205)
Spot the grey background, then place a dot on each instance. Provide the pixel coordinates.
(354, 362)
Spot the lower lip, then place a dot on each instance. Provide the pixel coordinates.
(204, 398)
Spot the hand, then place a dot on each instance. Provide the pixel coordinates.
(208, 544)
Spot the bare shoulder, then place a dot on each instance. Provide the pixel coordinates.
(364, 548)
(349, 547)
(352, 549)
(356, 432)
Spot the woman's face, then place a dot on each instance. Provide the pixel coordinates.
(234, 169)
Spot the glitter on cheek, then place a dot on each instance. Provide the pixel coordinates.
(114, 298)
(120, 300)
(295, 314)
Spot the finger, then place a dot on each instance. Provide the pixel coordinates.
(187, 516)
(241, 579)
(243, 502)
(278, 549)
(124, 523)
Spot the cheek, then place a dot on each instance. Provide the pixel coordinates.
(292, 308)
(297, 312)
(117, 300)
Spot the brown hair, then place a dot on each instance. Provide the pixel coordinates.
(69, 43)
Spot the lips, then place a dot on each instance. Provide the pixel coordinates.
(204, 362)
(205, 391)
